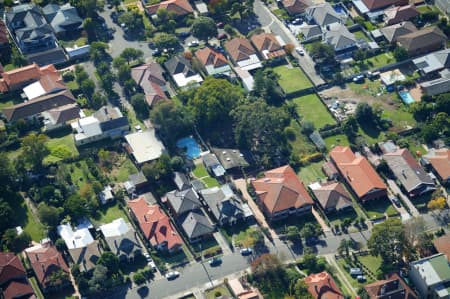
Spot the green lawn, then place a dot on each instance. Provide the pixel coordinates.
(301, 145)
(373, 263)
(336, 218)
(361, 35)
(123, 171)
(210, 182)
(222, 289)
(229, 231)
(372, 62)
(281, 13)
(339, 139)
(32, 226)
(292, 79)
(200, 171)
(61, 148)
(379, 208)
(311, 173)
(400, 117)
(311, 108)
(79, 173)
(108, 214)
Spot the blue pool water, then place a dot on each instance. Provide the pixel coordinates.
(406, 97)
(191, 146)
(338, 9)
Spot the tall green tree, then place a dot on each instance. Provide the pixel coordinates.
(34, 150)
(204, 28)
(130, 54)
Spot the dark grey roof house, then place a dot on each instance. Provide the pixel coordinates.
(213, 165)
(184, 201)
(196, 226)
(182, 71)
(323, 15)
(226, 206)
(433, 62)
(63, 18)
(181, 180)
(232, 158)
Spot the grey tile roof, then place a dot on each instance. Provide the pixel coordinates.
(393, 32)
(183, 201)
(339, 37)
(323, 14)
(434, 61)
(86, 257)
(224, 204)
(195, 225)
(125, 245)
(178, 65)
(181, 180)
(62, 18)
(311, 31)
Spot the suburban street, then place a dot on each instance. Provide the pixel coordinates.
(268, 20)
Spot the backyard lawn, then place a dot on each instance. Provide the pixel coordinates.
(79, 173)
(107, 214)
(121, 172)
(203, 175)
(301, 145)
(292, 79)
(339, 139)
(311, 108)
(210, 182)
(60, 148)
(361, 35)
(400, 117)
(311, 173)
(372, 263)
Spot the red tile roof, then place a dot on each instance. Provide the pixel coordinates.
(294, 7)
(266, 42)
(18, 78)
(377, 4)
(239, 48)
(357, 171)
(155, 225)
(280, 189)
(151, 79)
(441, 163)
(180, 7)
(442, 245)
(3, 33)
(208, 56)
(10, 267)
(18, 289)
(393, 287)
(323, 286)
(400, 13)
(45, 260)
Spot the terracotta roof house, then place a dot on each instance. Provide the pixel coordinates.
(19, 78)
(213, 61)
(393, 32)
(442, 245)
(323, 286)
(296, 7)
(268, 45)
(183, 201)
(150, 77)
(440, 162)
(280, 193)
(391, 287)
(379, 4)
(13, 278)
(45, 260)
(332, 196)
(155, 225)
(179, 7)
(425, 40)
(196, 226)
(242, 53)
(411, 175)
(57, 117)
(358, 173)
(399, 14)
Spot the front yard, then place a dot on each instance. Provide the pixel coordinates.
(310, 108)
(292, 79)
(379, 208)
(219, 291)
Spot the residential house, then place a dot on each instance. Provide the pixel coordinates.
(391, 287)
(64, 19)
(84, 250)
(106, 123)
(19, 78)
(225, 205)
(201, 7)
(196, 226)
(213, 62)
(122, 239)
(296, 7)
(322, 285)
(407, 170)
(182, 201)
(431, 276)
(33, 35)
(399, 14)
(440, 163)
(423, 41)
(438, 85)
(60, 116)
(4, 36)
(150, 77)
(106, 195)
(46, 261)
(442, 245)
(269, 46)
(13, 278)
(180, 8)
(358, 173)
(144, 146)
(323, 15)
(181, 181)
(433, 62)
(155, 225)
(231, 158)
(213, 165)
(393, 32)
(136, 182)
(332, 196)
(243, 54)
(338, 37)
(311, 32)
(330, 170)
(182, 72)
(366, 7)
(280, 193)
(241, 292)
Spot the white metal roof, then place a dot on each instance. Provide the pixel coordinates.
(145, 146)
(34, 90)
(75, 239)
(116, 228)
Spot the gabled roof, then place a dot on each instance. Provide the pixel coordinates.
(239, 48)
(423, 38)
(280, 189)
(183, 201)
(310, 31)
(333, 196)
(393, 287)
(339, 37)
(180, 7)
(393, 32)
(224, 204)
(151, 79)
(407, 170)
(294, 7)
(86, 257)
(442, 245)
(208, 56)
(181, 180)
(377, 4)
(121, 237)
(155, 224)
(179, 64)
(62, 18)
(434, 61)
(357, 171)
(38, 105)
(323, 14)
(14, 79)
(46, 260)
(398, 14)
(10, 267)
(322, 285)
(268, 45)
(196, 225)
(441, 162)
(64, 113)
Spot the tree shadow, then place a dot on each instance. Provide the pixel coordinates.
(143, 291)
(370, 129)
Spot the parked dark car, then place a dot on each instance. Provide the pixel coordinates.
(217, 261)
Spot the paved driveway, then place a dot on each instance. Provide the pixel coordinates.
(396, 190)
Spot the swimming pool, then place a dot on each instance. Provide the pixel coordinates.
(339, 9)
(191, 146)
(406, 97)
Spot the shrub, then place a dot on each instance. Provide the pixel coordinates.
(289, 132)
(217, 294)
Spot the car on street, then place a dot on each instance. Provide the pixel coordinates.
(215, 261)
(246, 251)
(147, 256)
(297, 21)
(300, 51)
(172, 275)
(396, 202)
(193, 43)
(156, 52)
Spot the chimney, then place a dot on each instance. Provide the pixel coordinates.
(43, 268)
(145, 218)
(57, 261)
(73, 243)
(37, 257)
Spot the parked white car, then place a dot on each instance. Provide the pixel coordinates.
(172, 275)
